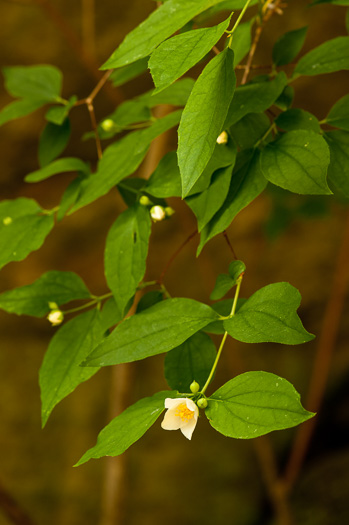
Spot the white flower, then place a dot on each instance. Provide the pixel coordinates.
(182, 413)
(55, 317)
(157, 213)
(222, 138)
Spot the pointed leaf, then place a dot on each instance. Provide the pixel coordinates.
(126, 253)
(58, 166)
(295, 119)
(190, 361)
(33, 82)
(60, 371)
(58, 114)
(119, 77)
(33, 299)
(288, 46)
(128, 427)
(53, 141)
(203, 117)
(297, 161)
(339, 114)
(167, 19)
(253, 404)
(176, 56)
(330, 56)
(338, 170)
(269, 315)
(153, 331)
(23, 229)
(19, 108)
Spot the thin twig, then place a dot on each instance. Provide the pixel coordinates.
(229, 244)
(95, 130)
(11, 509)
(321, 369)
(176, 253)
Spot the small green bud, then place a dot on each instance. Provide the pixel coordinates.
(157, 213)
(169, 211)
(194, 387)
(108, 124)
(53, 306)
(145, 201)
(202, 403)
(7, 221)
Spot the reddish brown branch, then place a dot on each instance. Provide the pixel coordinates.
(325, 350)
(176, 253)
(229, 244)
(11, 509)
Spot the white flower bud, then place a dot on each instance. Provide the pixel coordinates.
(222, 138)
(55, 317)
(157, 213)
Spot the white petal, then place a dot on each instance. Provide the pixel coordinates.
(189, 428)
(192, 406)
(173, 403)
(171, 421)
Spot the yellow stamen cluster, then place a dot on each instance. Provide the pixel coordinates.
(184, 412)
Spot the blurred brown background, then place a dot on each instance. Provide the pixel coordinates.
(165, 478)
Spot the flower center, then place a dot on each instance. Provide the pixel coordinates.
(184, 412)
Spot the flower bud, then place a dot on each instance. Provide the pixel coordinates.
(53, 306)
(222, 138)
(169, 211)
(7, 221)
(55, 317)
(202, 403)
(107, 124)
(157, 213)
(194, 387)
(145, 201)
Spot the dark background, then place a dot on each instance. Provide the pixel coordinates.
(165, 478)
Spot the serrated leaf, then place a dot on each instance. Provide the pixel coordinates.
(121, 159)
(18, 109)
(249, 130)
(60, 372)
(329, 57)
(207, 203)
(269, 315)
(338, 170)
(53, 141)
(58, 166)
(288, 46)
(295, 118)
(225, 282)
(167, 19)
(254, 404)
(297, 161)
(33, 82)
(339, 114)
(190, 361)
(246, 184)
(58, 114)
(120, 76)
(154, 331)
(128, 427)
(33, 299)
(177, 55)
(203, 117)
(23, 229)
(254, 97)
(126, 253)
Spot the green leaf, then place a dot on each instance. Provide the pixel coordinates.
(330, 56)
(53, 141)
(241, 41)
(70, 196)
(297, 161)
(149, 299)
(119, 77)
(335, 2)
(223, 308)
(288, 46)
(111, 314)
(203, 117)
(128, 427)
(269, 316)
(249, 130)
(339, 114)
(165, 181)
(207, 203)
(60, 372)
(338, 170)
(126, 253)
(167, 19)
(226, 5)
(23, 229)
(176, 94)
(254, 97)
(19, 108)
(246, 184)
(190, 361)
(176, 56)
(34, 82)
(58, 166)
(294, 119)
(154, 331)
(253, 404)
(122, 158)
(58, 114)
(225, 282)
(33, 299)
(285, 100)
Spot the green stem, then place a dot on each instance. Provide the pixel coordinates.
(232, 313)
(237, 22)
(272, 127)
